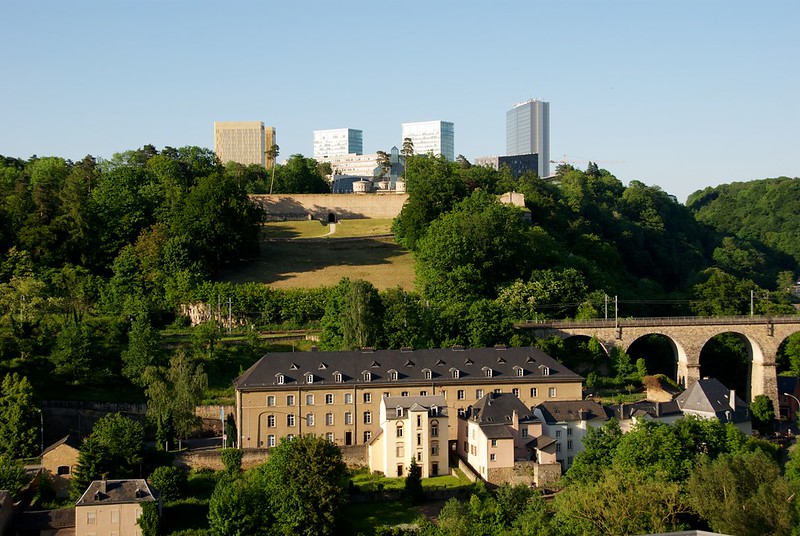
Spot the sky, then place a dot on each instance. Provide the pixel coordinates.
(679, 94)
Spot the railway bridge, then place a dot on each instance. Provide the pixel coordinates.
(763, 336)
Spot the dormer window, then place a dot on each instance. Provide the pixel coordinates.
(487, 372)
(545, 370)
(454, 373)
(337, 377)
(398, 411)
(309, 378)
(426, 373)
(393, 375)
(519, 371)
(434, 411)
(279, 379)
(366, 376)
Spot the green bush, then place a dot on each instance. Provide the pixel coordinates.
(170, 481)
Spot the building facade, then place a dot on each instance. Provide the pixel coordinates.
(568, 422)
(112, 507)
(58, 463)
(244, 142)
(528, 132)
(337, 395)
(337, 142)
(411, 426)
(437, 137)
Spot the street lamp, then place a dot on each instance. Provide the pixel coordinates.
(41, 431)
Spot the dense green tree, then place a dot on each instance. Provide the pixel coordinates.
(19, 421)
(762, 411)
(304, 481)
(173, 394)
(237, 508)
(406, 320)
(149, 521)
(352, 317)
(299, 175)
(412, 486)
(742, 493)
(142, 351)
(170, 481)
(73, 356)
(722, 294)
(13, 476)
(599, 446)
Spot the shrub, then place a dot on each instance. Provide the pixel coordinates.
(170, 481)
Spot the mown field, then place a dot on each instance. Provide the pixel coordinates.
(289, 260)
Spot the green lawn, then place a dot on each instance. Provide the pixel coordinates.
(363, 518)
(371, 482)
(316, 229)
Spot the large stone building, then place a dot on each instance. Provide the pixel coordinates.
(244, 142)
(338, 395)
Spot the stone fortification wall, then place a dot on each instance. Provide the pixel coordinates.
(324, 206)
(353, 456)
(526, 472)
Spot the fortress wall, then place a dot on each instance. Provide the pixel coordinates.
(320, 206)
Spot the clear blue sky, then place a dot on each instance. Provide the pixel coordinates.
(686, 94)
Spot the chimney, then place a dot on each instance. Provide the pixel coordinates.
(658, 409)
(733, 400)
(104, 486)
(515, 420)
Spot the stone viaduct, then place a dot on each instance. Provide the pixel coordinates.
(687, 335)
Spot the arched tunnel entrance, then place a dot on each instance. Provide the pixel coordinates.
(659, 352)
(728, 357)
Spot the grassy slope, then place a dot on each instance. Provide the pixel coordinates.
(308, 264)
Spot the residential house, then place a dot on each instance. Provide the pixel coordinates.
(497, 432)
(568, 422)
(58, 463)
(628, 414)
(411, 426)
(709, 399)
(112, 507)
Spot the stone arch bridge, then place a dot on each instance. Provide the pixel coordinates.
(688, 335)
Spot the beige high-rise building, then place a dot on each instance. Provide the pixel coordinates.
(244, 142)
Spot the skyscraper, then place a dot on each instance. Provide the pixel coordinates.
(337, 142)
(244, 142)
(528, 132)
(431, 136)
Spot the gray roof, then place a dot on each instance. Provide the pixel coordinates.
(497, 431)
(498, 408)
(134, 490)
(415, 403)
(487, 365)
(710, 396)
(571, 410)
(642, 408)
(69, 440)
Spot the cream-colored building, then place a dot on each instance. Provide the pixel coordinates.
(112, 508)
(337, 395)
(568, 422)
(411, 426)
(498, 431)
(244, 142)
(58, 463)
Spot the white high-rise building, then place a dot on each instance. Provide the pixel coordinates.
(244, 142)
(337, 142)
(528, 132)
(431, 136)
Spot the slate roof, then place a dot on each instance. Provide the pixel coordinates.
(642, 408)
(69, 440)
(710, 396)
(134, 490)
(414, 403)
(498, 408)
(42, 520)
(409, 366)
(571, 410)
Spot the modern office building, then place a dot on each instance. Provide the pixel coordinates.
(435, 137)
(528, 132)
(517, 164)
(244, 142)
(337, 142)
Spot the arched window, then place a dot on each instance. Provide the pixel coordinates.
(366, 376)
(427, 373)
(398, 411)
(279, 378)
(393, 375)
(337, 377)
(309, 378)
(454, 373)
(434, 428)
(487, 372)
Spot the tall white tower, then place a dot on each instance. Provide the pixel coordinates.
(528, 132)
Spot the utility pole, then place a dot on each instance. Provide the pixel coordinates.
(605, 298)
(230, 302)
(752, 298)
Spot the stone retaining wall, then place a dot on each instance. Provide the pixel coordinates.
(353, 456)
(323, 206)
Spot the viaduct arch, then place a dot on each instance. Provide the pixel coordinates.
(763, 335)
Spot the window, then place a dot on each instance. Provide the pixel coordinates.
(337, 377)
(399, 450)
(399, 430)
(115, 517)
(497, 391)
(494, 442)
(329, 419)
(367, 417)
(289, 437)
(367, 436)
(270, 421)
(419, 456)
(461, 394)
(309, 400)
(329, 398)
(290, 419)
(398, 411)
(545, 371)
(427, 373)
(434, 411)
(290, 400)
(461, 412)
(444, 394)
(525, 432)
(367, 398)
(385, 394)
(558, 433)
(63, 470)
(329, 436)
(552, 392)
(519, 371)
(478, 394)
(487, 372)
(558, 447)
(348, 398)
(419, 439)
(310, 419)
(569, 461)
(569, 431)
(348, 418)
(309, 378)
(434, 428)
(404, 393)
(270, 400)
(435, 448)
(492, 457)
(515, 392)
(423, 393)
(454, 373)
(569, 444)
(366, 376)
(393, 375)
(91, 518)
(279, 379)
(466, 446)
(419, 420)
(534, 392)
(271, 440)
